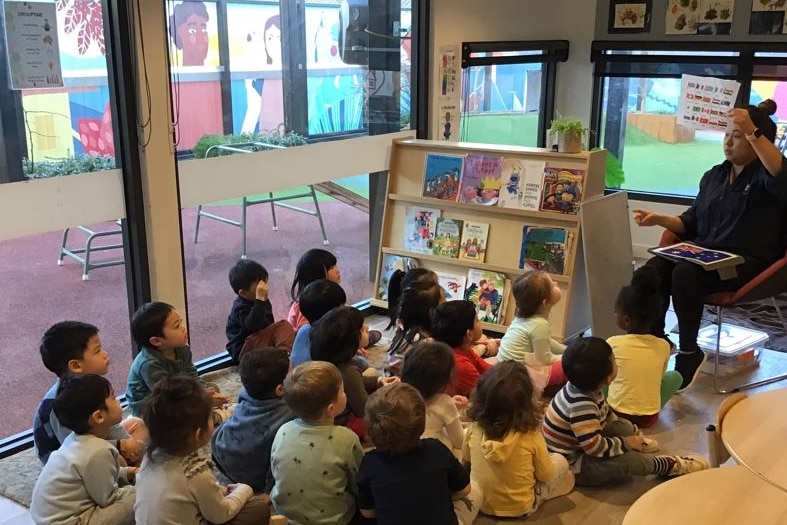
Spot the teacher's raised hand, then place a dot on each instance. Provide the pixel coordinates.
(646, 218)
(740, 119)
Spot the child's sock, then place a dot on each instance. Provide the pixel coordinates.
(663, 465)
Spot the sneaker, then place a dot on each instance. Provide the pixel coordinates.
(220, 415)
(687, 364)
(688, 464)
(649, 445)
(374, 337)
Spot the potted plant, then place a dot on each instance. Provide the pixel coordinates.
(569, 132)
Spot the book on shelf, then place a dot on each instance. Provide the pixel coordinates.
(442, 176)
(563, 189)
(419, 229)
(475, 236)
(544, 249)
(481, 179)
(705, 257)
(487, 291)
(389, 263)
(521, 183)
(448, 233)
(452, 284)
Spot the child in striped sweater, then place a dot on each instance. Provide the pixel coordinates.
(599, 447)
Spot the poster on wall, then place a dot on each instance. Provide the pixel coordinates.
(449, 87)
(629, 16)
(705, 101)
(32, 45)
(699, 17)
(768, 17)
(193, 33)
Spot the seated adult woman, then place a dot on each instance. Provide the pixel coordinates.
(740, 208)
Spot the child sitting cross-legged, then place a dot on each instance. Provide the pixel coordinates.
(80, 482)
(315, 463)
(455, 324)
(251, 309)
(643, 384)
(164, 352)
(175, 484)
(580, 425)
(242, 445)
(429, 367)
(504, 446)
(317, 299)
(406, 479)
(74, 348)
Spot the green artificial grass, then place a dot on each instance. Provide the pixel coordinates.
(513, 129)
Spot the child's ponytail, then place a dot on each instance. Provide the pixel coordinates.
(394, 295)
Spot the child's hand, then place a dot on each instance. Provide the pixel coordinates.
(634, 442)
(361, 352)
(218, 400)
(461, 402)
(382, 380)
(262, 290)
(131, 474)
(132, 450)
(493, 345)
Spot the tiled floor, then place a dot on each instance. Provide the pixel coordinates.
(13, 514)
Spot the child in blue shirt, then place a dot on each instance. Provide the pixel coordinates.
(317, 299)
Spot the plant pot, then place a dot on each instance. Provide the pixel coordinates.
(569, 142)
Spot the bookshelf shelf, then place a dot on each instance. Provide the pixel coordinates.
(505, 225)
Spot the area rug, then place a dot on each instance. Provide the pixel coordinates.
(758, 315)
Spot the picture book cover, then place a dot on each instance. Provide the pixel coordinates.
(442, 176)
(705, 257)
(475, 236)
(544, 249)
(419, 229)
(389, 263)
(452, 284)
(521, 183)
(481, 179)
(562, 190)
(448, 233)
(487, 291)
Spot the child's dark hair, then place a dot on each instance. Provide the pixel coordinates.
(310, 387)
(176, 408)
(245, 272)
(262, 370)
(319, 297)
(78, 397)
(502, 401)
(587, 362)
(761, 117)
(429, 367)
(412, 297)
(148, 321)
(451, 321)
(63, 342)
(395, 418)
(640, 300)
(313, 265)
(336, 336)
(530, 290)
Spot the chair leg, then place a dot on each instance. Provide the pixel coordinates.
(63, 247)
(779, 313)
(196, 227)
(273, 212)
(319, 216)
(244, 204)
(719, 318)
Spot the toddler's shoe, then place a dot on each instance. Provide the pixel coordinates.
(649, 445)
(687, 364)
(688, 464)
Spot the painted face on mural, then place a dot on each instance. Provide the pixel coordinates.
(273, 44)
(193, 36)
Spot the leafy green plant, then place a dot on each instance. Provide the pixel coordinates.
(564, 124)
(275, 138)
(44, 169)
(614, 177)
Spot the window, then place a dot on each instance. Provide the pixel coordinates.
(508, 91)
(636, 95)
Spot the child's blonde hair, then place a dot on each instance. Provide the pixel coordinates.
(310, 387)
(530, 290)
(502, 401)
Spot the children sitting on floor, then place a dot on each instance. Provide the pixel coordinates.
(406, 479)
(317, 299)
(580, 425)
(251, 309)
(315, 463)
(242, 445)
(505, 449)
(455, 324)
(528, 339)
(335, 338)
(74, 348)
(80, 482)
(164, 352)
(643, 384)
(429, 367)
(176, 482)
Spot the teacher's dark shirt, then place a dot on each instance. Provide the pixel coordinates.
(747, 217)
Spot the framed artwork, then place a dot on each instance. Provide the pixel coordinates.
(627, 16)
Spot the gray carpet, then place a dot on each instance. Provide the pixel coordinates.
(759, 315)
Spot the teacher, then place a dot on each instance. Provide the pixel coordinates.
(740, 208)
